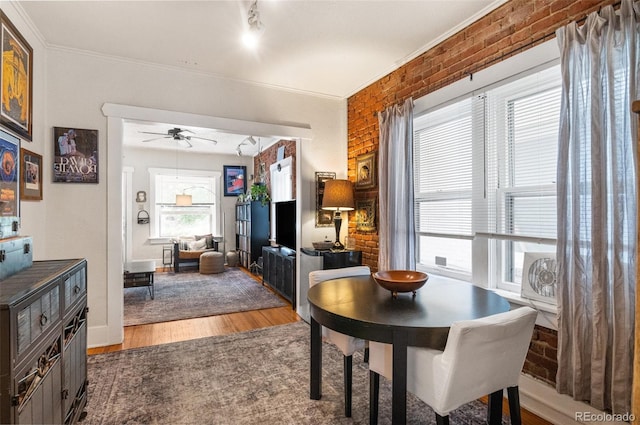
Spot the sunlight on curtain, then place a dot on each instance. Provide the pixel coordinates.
(395, 171)
(597, 207)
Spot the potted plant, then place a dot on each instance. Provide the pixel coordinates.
(258, 192)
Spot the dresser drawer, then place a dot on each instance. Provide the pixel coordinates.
(75, 287)
(37, 317)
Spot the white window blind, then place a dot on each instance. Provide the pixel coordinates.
(443, 153)
(522, 136)
(443, 187)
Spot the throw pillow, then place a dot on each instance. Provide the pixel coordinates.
(198, 245)
(208, 238)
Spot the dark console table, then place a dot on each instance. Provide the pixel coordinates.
(336, 259)
(279, 271)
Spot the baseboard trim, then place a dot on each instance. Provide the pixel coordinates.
(544, 401)
(100, 336)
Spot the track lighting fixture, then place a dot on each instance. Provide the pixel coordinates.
(256, 27)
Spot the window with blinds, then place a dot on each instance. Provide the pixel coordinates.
(486, 168)
(171, 220)
(443, 143)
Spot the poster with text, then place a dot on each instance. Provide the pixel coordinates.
(75, 155)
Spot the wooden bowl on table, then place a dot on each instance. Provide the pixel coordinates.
(400, 280)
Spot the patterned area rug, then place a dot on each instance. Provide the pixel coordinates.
(188, 295)
(260, 376)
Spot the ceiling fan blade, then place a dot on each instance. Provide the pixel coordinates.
(186, 140)
(151, 132)
(204, 138)
(155, 138)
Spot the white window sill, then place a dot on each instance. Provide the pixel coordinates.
(547, 313)
(160, 241)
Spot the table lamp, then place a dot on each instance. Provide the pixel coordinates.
(338, 197)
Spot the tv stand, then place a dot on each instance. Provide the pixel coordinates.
(279, 271)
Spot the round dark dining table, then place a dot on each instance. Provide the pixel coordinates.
(359, 307)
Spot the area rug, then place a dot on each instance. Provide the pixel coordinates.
(188, 295)
(253, 377)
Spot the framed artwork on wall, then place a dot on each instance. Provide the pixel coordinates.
(366, 215)
(16, 94)
(324, 218)
(366, 171)
(31, 176)
(75, 158)
(9, 174)
(235, 180)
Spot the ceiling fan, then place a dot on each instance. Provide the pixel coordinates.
(177, 134)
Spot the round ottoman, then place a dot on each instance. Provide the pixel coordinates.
(211, 262)
(232, 259)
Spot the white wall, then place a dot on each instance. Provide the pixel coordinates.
(70, 89)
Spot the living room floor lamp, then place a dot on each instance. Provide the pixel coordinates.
(338, 197)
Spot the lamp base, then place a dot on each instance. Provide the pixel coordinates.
(337, 246)
(337, 222)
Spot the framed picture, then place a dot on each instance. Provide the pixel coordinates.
(366, 171)
(235, 180)
(366, 215)
(324, 218)
(30, 176)
(75, 158)
(9, 172)
(16, 94)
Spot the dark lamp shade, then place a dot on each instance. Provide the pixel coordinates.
(338, 195)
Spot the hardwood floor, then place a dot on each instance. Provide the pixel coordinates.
(183, 330)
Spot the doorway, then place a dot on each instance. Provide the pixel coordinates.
(112, 331)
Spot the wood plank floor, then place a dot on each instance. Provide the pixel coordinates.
(224, 324)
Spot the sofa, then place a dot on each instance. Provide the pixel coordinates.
(187, 250)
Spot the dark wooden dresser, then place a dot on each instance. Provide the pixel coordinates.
(43, 343)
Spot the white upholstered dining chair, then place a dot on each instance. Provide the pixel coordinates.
(347, 344)
(481, 357)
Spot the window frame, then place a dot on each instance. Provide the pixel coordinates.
(485, 246)
(154, 211)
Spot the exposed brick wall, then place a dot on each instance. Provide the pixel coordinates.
(269, 156)
(542, 361)
(491, 39)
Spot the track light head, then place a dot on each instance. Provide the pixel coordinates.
(256, 27)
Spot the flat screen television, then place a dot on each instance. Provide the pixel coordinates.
(286, 224)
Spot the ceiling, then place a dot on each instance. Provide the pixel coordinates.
(329, 48)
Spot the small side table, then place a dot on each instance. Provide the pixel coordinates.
(167, 257)
(138, 274)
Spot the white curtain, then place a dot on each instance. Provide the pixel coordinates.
(597, 207)
(395, 171)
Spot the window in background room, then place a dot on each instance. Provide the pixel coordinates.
(202, 217)
(486, 179)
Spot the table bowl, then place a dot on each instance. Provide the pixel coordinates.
(400, 280)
